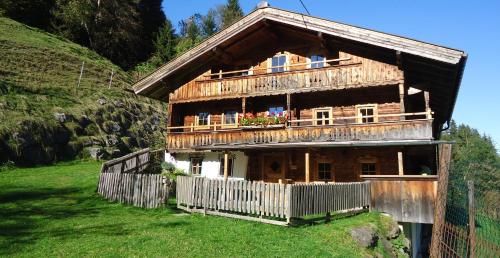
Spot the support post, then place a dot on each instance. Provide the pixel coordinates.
(307, 167)
(81, 73)
(428, 114)
(226, 157)
(402, 100)
(288, 108)
(400, 163)
(244, 105)
(440, 203)
(472, 220)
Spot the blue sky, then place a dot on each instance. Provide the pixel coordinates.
(472, 26)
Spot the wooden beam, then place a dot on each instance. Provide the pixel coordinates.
(400, 163)
(427, 107)
(402, 100)
(226, 162)
(244, 105)
(308, 176)
(399, 60)
(288, 108)
(440, 203)
(472, 219)
(227, 58)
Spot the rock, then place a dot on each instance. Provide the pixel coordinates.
(115, 153)
(97, 153)
(407, 245)
(118, 103)
(111, 140)
(365, 236)
(111, 127)
(393, 230)
(61, 117)
(101, 101)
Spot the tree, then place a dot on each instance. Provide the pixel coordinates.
(190, 34)
(35, 13)
(113, 28)
(474, 157)
(152, 19)
(230, 12)
(209, 23)
(165, 42)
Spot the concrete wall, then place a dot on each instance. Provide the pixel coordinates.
(211, 163)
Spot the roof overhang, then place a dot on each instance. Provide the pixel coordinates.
(428, 60)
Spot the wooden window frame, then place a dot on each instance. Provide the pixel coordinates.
(332, 174)
(223, 121)
(191, 165)
(368, 160)
(230, 171)
(359, 116)
(275, 106)
(197, 121)
(323, 109)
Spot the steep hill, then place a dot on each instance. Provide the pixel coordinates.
(45, 116)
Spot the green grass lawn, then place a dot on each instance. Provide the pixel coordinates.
(54, 211)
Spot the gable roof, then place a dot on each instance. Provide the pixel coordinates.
(163, 81)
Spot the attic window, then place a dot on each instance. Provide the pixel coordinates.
(278, 63)
(317, 61)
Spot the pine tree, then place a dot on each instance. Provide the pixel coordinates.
(165, 42)
(231, 12)
(209, 23)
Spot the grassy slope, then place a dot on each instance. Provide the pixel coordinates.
(54, 211)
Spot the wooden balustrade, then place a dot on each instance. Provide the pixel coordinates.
(333, 77)
(241, 138)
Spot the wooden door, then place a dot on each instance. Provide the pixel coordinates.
(273, 167)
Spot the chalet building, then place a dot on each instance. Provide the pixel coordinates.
(285, 97)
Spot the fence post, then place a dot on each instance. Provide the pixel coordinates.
(81, 73)
(440, 203)
(472, 219)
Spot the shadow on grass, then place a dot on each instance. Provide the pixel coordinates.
(323, 218)
(23, 214)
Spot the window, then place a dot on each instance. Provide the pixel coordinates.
(367, 113)
(230, 162)
(275, 111)
(196, 166)
(203, 118)
(368, 169)
(324, 171)
(322, 116)
(278, 63)
(319, 59)
(230, 118)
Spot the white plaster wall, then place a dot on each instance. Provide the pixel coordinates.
(211, 163)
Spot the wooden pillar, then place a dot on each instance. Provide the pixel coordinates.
(307, 167)
(400, 163)
(288, 108)
(402, 100)
(472, 220)
(427, 106)
(169, 114)
(440, 203)
(226, 157)
(244, 105)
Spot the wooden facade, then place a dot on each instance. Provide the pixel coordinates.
(310, 100)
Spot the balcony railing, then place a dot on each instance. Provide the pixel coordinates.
(300, 131)
(340, 76)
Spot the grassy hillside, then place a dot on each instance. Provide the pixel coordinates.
(46, 117)
(55, 212)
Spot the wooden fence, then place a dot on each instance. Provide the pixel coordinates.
(124, 180)
(255, 200)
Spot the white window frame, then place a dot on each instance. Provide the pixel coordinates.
(287, 62)
(308, 60)
(359, 116)
(323, 109)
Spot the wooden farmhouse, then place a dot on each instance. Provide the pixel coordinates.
(282, 97)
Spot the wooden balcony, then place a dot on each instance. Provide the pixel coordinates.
(244, 138)
(407, 198)
(350, 75)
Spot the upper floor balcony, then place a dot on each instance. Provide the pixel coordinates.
(304, 132)
(340, 73)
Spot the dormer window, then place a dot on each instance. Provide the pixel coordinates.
(317, 61)
(278, 63)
